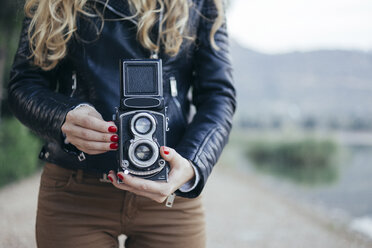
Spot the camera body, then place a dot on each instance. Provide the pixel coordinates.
(141, 119)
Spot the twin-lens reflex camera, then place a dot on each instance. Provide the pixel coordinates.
(141, 119)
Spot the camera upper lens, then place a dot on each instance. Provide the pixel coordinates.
(143, 152)
(143, 125)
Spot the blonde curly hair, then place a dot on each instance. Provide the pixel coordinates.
(53, 23)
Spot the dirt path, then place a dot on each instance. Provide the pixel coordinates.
(241, 212)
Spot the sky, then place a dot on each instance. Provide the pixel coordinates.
(278, 26)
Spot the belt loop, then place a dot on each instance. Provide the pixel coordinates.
(79, 176)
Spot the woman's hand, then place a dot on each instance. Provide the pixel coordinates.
(85, 128)
(181, 172)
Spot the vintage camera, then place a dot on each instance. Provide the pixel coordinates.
(141, 119)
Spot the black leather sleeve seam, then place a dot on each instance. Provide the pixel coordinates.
(204, 143)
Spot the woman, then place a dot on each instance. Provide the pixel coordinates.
(65, 86)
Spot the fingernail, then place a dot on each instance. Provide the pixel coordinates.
(166, 150)
(114, 138)
(109, 177)
(112, 129)
(114, 146)
(120, 176)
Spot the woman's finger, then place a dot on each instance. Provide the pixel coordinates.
(181, 169)
(86, 120)
(170, 155)
(96, 124)
(88, 134)
(144, 185)
(85, 145)
(156, 197)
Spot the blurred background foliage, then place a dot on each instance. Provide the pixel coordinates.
(308, 160)
(18, 147)
(11, 15)
(303, 158)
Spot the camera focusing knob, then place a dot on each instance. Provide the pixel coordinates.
(125, 164)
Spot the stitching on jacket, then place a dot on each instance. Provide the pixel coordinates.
(205, 141)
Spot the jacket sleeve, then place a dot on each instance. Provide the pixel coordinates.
(214, 99)
(32, 94)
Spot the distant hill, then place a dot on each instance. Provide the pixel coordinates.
(324, 85)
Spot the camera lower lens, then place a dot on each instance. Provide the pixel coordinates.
(143, 125)
(143, 152)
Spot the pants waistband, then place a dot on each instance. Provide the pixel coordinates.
(83, 174)
(102, 177)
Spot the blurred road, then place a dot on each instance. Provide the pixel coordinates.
(244, 212)
(240, 212)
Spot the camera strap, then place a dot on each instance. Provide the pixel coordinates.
(155, 53)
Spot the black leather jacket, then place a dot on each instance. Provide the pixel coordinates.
(41, 99)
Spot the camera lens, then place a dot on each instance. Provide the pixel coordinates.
(143, 152)
(142, 125)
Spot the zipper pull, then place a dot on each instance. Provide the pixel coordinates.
(74, 83)
(170, 200)
(173, 86)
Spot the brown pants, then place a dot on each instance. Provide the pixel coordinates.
(76, 210)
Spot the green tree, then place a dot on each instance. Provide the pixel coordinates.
(11, 13)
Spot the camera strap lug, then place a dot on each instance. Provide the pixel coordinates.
(170, 200)
(155, 53)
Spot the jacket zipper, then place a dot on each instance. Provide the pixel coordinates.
(74, 84)
(173, 86)
(81, 155)
(174, 94)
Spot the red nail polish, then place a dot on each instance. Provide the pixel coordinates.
(114, 138)
(112, 180)
(120, 176)
(114, 146)
(166, 150)
(112, 129)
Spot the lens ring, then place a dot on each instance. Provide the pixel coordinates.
(138, 162)
(143, 116)
(143, 152)
(143, 125)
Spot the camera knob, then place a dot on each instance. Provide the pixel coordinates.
(161, 162)
(124, 164)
